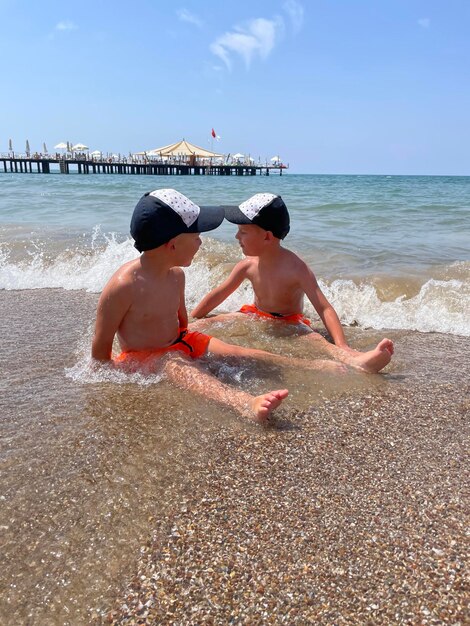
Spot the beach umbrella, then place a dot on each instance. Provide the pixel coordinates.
(95, 153)
(79, 146)
(27, 147)
(238, 156)
(44, 148)
(276, 159)
(61, 146)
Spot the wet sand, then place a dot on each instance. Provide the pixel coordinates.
(349, 510)
(354, 511)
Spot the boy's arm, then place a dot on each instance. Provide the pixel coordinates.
(324, 309)
(220, 293)
(182, 312)
(112, 307)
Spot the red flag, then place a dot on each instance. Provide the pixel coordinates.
(213, 133)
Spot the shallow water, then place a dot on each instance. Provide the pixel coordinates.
(87, 459)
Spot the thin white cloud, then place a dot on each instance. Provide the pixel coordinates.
(65, 25)
(257, 37)
(424, 22)
(296, 13)
(186, 16)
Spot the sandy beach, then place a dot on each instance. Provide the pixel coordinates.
(351, 512)
(133, 502)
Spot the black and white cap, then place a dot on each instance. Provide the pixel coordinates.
(263, 209)
(163, 214)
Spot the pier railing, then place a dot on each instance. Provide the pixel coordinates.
(85, 164)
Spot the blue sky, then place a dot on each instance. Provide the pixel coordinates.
(332, 86)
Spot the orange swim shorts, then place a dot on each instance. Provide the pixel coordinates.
(294, 318)
(193, 344)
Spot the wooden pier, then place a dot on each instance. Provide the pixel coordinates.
(84, 165)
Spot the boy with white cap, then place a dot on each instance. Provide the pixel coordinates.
(280, 279)
(143, 304)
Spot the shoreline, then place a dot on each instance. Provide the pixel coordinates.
(352, 511)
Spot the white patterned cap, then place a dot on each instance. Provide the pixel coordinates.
(253, 205)
(163, 214)
(186, 209)
(265, 210)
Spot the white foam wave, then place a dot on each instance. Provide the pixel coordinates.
(200, 279)
(87, 269)
(86, 372)
(440, 306)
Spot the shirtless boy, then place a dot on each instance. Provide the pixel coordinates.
(280, 279)
(144, 305)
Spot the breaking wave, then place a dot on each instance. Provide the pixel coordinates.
(440, 305)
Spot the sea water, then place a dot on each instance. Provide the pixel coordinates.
(89, 458)
(389, 251)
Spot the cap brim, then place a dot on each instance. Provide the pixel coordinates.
(234, 215)
(210, 217)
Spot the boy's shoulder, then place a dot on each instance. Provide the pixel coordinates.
(246, 263)
(286, 255)
(178, 273)
(128, 270)
(124, 276)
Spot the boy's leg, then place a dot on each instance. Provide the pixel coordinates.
(220, 348)
(189, 376)
(204, 322)
(372, 361)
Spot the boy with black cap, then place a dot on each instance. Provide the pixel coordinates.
(280, 279)
(143, 303)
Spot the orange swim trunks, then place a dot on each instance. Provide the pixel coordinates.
(294, 318)
(193, 344)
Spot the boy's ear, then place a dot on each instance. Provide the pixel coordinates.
(170, 245)
(268, 236)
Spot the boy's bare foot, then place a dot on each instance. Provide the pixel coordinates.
(262, 406)
(374, 360)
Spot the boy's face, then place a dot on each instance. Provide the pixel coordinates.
(251, 238)
(186, 246)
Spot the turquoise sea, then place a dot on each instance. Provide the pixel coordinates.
(88, 458)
